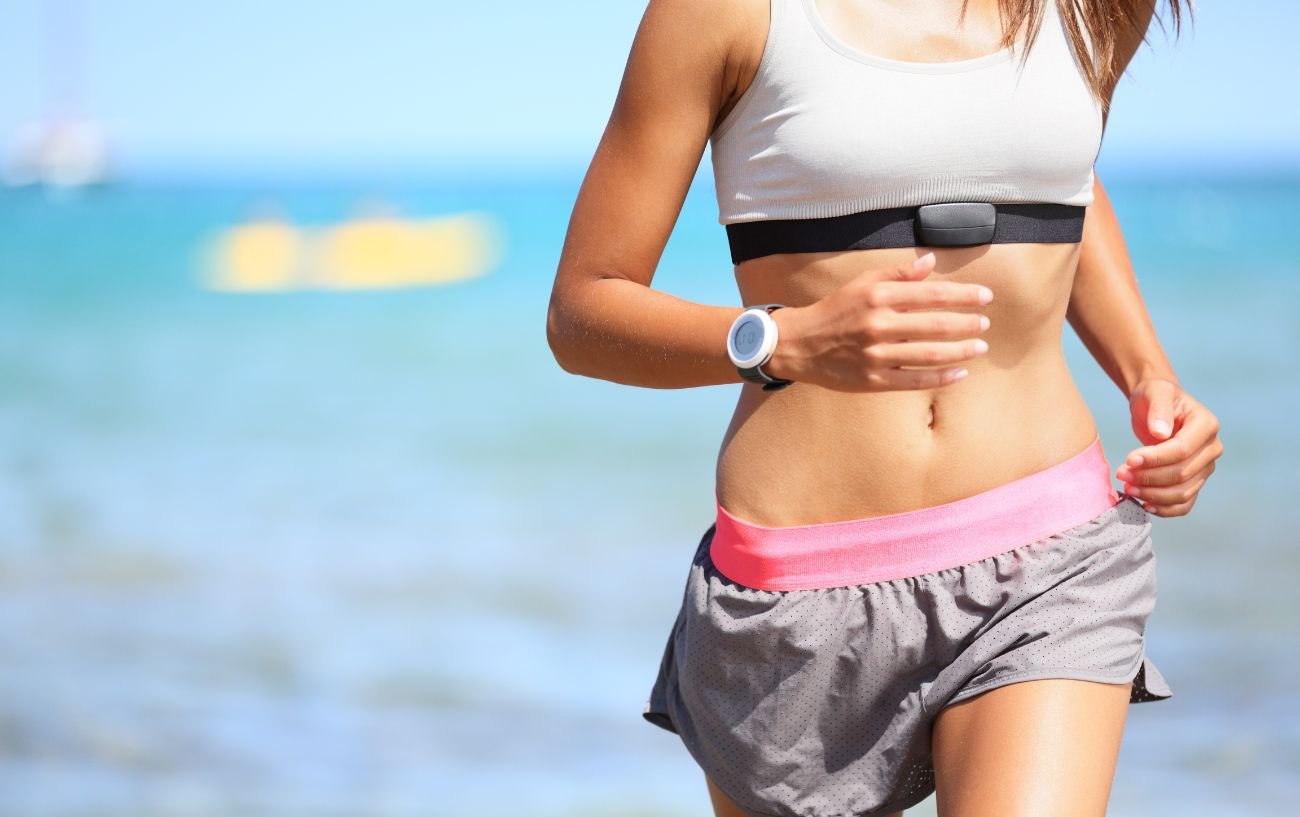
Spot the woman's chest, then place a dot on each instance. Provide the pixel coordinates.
(871, 131)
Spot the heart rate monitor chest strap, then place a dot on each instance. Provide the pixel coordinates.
(945, 224)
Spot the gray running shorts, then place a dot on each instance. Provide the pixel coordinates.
(819, 703)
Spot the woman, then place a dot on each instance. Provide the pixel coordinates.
(920, 576)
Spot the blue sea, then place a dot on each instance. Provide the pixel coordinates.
(375, 553)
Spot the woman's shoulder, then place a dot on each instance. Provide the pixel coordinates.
(702, 50)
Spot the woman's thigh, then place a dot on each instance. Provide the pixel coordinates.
(1043, 747)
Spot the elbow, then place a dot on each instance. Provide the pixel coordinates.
(557, 338)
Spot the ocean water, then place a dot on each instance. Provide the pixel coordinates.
(377, 554)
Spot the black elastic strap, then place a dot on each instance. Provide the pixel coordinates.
(1017, 222)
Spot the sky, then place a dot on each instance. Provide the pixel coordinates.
(210, 88)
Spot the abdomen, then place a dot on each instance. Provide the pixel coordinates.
(807, 454)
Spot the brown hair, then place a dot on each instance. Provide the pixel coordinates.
(1107, 23)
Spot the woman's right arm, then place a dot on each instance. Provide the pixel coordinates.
(605, 321)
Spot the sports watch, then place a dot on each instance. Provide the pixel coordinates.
(750, 344)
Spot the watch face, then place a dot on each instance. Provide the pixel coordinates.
(748, 337)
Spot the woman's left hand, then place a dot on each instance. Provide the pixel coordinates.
(1181, 443)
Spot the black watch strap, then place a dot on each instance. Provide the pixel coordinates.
(755, 374)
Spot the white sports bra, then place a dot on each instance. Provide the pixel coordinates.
(826, 129)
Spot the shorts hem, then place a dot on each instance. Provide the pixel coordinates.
(741, 803)
(659, 718)
(902, 804)
(664, 720)
(1070, 674)
(1035, 675)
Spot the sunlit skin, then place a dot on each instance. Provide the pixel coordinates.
(872, 425)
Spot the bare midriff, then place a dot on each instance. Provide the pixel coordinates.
(806, 454)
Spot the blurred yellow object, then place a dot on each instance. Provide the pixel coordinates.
(387, 252)
(371, 252)
(262, 256)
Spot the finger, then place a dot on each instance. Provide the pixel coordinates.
(1160, 409)
(923, 294)
(924, 353)
(899, 379)
(1170, 494)
(1172, 473)
(884, 324)
(914, 270)
(1180, 509)
(1194, 434)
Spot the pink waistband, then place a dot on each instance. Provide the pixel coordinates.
(898, 545)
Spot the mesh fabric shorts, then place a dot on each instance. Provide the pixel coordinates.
(818, 701)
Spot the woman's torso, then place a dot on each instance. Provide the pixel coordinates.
(806, 454)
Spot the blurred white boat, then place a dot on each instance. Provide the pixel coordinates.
(57, 154)
(65, 147)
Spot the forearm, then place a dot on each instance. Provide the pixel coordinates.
(1106, 307)
(622, 331)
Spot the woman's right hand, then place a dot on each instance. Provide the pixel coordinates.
(858, 337)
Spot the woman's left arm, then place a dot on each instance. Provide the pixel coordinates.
(1179, 436)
